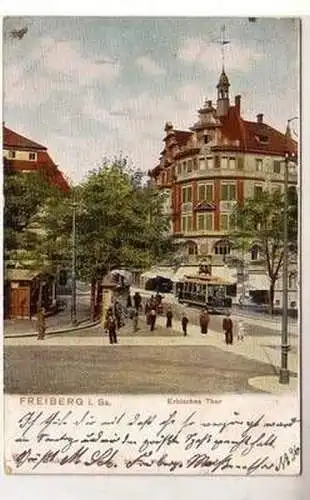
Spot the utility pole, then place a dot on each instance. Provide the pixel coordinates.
(284, 372)
(73, 269)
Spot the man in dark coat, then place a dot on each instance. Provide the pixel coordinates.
(137, 299)
(204, 321)
(169, 316)
(184, 324)
(111, 326)
(41, 324)
(152, 319)
(228, 328)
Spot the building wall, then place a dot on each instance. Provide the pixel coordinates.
(12, 154)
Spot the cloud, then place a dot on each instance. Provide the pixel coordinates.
(149, 66)
(208, 54)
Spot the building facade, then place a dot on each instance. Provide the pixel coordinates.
(24, 155)
(221, 160)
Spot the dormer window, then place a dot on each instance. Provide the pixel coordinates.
(32, 156)
(12, 154)
(262, 139)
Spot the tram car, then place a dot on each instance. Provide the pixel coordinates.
(205, 291)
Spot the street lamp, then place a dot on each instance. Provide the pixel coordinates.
(73, 267)
(284, 372)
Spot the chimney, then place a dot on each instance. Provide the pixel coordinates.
(260, 117)
(238, 103)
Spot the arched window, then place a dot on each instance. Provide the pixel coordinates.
(255, 252)
(192, 248)
(222, 247)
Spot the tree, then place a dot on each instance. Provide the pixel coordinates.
(119, 224)
(260, 222)
(25, 196)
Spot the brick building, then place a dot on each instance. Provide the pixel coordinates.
(221, 160)
(24, 155)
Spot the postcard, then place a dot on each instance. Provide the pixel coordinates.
(151, 246)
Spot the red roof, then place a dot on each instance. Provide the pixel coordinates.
(182, 136)
(13, 140)
(255, 136)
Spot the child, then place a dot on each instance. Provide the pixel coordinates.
(240, 327)
(184, 324)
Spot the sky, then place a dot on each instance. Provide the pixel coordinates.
(93, 87)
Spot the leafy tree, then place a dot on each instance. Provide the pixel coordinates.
(119, 223)
(260, 222)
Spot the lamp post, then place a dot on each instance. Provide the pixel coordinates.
(284, 372)
(73, 267)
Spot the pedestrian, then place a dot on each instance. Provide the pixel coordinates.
(184, 324)
(240, 329)
(147, 311)
(204, 321)
(228, 328)
(135, 320)
(137, 299)
(152, 319)
(129, 301)
(111, 327)
(41, 323)
(169, 316)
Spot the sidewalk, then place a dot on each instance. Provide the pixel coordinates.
(59, 322)
(263, 349)
(274, 323)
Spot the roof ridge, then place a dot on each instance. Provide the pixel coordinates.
(28, 143)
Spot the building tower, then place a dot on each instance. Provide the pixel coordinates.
(223, 84)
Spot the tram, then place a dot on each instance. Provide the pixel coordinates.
(205, 291)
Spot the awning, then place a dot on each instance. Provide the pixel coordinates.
(185, 271)
(225, 273)
(258, 282)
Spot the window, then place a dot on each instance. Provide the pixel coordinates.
(209, 161)
(255, 252)
(195, 164)
(202, 164)
(259, 165)
(277, 166)
(224, 222)
(189, 166)
(207, 138)
(222, 248)
(228, 192)
(163, 178)
(240, 163)
(187, 223)
(232, 163)
(217, 162)
(258, 191)
(184, 167)
(205, 192)
(32, 156)
(187, 194)
(276, 188)
(192, 248)
(292, 280)
(179, 168)
(12, 154)
(224, 162)
(227, 221)
(205, 222)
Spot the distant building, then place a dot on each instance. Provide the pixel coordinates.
(24, 155)
(221, 160)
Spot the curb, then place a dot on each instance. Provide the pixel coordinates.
(53, 332)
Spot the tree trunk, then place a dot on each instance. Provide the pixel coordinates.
(271, 296)
(98, 297)
(93, 299)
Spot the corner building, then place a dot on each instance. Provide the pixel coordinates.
(221, 160)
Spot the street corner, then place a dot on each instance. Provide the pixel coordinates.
(270, 384)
